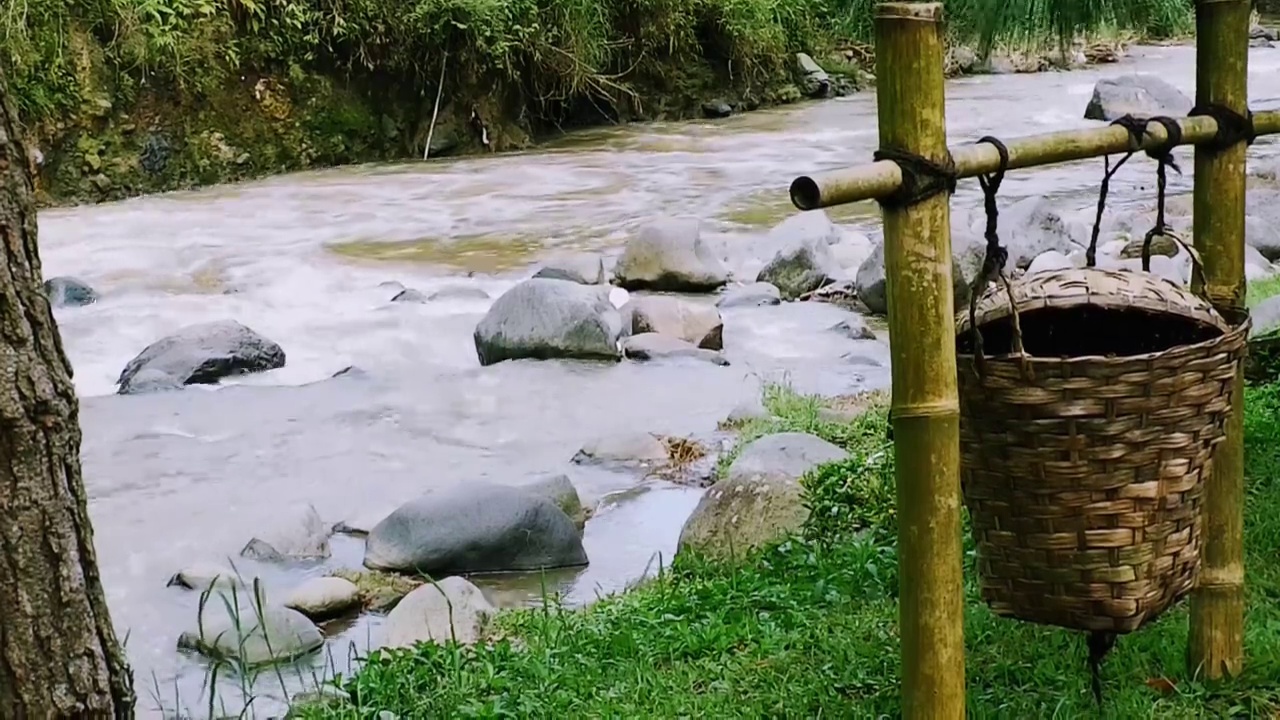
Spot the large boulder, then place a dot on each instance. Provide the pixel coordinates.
(692, 322)
(1138, 95)
(475, 528)
(452, 609)
(1260, 225)
(760, 500)
(252, 636)
(582, 268)
(669, 254)
(560, 490)
(543, 318)
(815, 82)
(800, 267)
(69, 292)
(1033, 226)
(200, 354)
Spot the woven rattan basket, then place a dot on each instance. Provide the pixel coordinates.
(1083, 475)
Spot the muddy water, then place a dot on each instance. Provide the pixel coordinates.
(181, 477)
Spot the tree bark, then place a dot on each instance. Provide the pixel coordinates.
(59, 656)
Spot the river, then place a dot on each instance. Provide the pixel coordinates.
(176, 478)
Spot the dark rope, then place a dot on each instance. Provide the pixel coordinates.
(1163, 156)
(1100, 643)
(922, 178)
(1137, 135)
(1233, 127)
(996, 257)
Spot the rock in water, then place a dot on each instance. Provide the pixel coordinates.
(200, 354)
(451, 610)
(1138, 95)
(69, 292)
(252, 636)
(302, 537)
(559, 489)
(323, 598)
(759, 294)
(543, 318)
(409, 295)
(692, 322)
(761, 499)
(816, 83)
(800, 267)
(629, 450)
(582, 268)
(475, 528)
(669, 254)
(653, 346)
(716, 109)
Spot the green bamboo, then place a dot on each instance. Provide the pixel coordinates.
(926, 410)
(878, 179)
(1215, 644)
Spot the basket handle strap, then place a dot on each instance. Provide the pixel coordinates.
(995, 258)
(1163, 156)
(1137, 132)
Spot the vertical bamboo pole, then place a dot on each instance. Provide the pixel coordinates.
(1215, 646)
(926, 415)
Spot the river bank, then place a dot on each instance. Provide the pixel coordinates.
(807, 626)
(123, 100)
(312, 261)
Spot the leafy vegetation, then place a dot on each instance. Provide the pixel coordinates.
(808, 628)
(130, 96)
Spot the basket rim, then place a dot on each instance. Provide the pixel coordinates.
(1233, 330)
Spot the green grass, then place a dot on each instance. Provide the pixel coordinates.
(1260, 290)
(808, 627)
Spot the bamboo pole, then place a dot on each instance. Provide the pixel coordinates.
(1215, 644)
(926, 410)
(878, 179)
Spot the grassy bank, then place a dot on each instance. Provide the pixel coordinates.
(124, 97)
(808, 627)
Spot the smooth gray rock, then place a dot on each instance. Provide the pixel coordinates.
(582, 268)
(409, 295)
(475, 528)
(324, 597)
(200, 354)
(691, 322)
(854, 328)
(543, 318)
(560, 490)
(669, 254)
(1138, 95)
(69, 292)
(1035, 225)
(800, 267)
(758, 294)
(716, 109)
(1261, 229)
(815, 82)
(458, 292)
(1048, 261)
(1266, 317)
(201, 576)
(253, 637)
(449, 610)
(626, 449)
(302, 535)
(654, 346)
(761, 500)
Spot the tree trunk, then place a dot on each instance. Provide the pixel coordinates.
(59, 657)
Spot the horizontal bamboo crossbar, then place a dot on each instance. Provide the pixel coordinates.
(883, 178)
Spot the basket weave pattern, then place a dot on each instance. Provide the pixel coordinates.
(1084, 482)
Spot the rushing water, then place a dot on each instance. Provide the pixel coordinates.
(176, 478)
